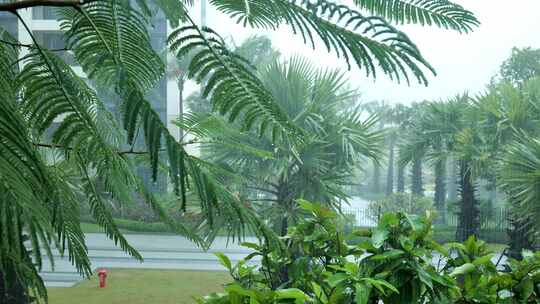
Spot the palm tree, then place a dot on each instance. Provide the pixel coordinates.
(520, 180)
(402, 116)
(440, 124)
(442, 130)
(276, 174)
(414, 148)
(510, 114)
(110, 41)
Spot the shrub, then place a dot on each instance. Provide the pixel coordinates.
(393, 264)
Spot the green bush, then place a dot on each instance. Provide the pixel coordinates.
(138, 226)
(313, 263)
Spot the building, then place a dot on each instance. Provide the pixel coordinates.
(46, 30)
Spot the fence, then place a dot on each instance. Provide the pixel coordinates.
(493, 227)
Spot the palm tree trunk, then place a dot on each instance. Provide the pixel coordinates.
(440, 190)
(390, 173)
(11, 290)
(452, 185)
(469, 213)
(520, 234)
(376, 181)
(417, 187)
(181, 83)
(400, 187)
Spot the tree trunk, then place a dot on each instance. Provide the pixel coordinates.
(469, 213)
(440, 190)
(452, 178)
(520, 234)
(376, 181)
(401, 179)
(416, 177)
(11, 290)
(390, 173)
(180, 84)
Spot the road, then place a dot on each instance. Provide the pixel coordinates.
(158, 251)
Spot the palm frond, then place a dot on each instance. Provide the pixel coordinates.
(110, 41)
(519, 176)
(370, 41)
(32, 205)
(232, 87)
(441, 13)
(52, 90)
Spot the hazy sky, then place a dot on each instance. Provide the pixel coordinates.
(463, 61)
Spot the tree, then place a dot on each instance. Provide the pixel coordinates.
(520, 179)
(277, 173)
(375, 108)
(443, 130)
(110, 41)
(510, 115)
(414, 148)
(258, 50)
(474, 155)
(522, 65)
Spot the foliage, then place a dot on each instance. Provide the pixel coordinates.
(400, 202)
(520, 176)
(276, 172)
(110, 41)
(521, 66)
(398, 263)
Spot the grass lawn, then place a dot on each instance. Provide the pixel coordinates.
(91, 228)
(127, 286)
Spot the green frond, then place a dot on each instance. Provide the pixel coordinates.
(214, 132)
(102, 215)
(369, 41)
(110, 41)
(51, 90)
(175, 10)
(35, 205)
(519, 176)
(232, 87)
(441, 13)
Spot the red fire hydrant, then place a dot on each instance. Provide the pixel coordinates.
(102, 278)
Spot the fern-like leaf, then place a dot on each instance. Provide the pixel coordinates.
(370, 41)
(121, 43)
(441, 13)
(232, 87)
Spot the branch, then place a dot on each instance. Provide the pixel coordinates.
(13, 6)
(29, 46)
(53, 146)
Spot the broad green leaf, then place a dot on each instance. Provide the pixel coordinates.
(251, 246)
(362, 292)
(463, 269)
(379, 236)
(380, 285)
(224, 260)
(292, 293)
(388, 255)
